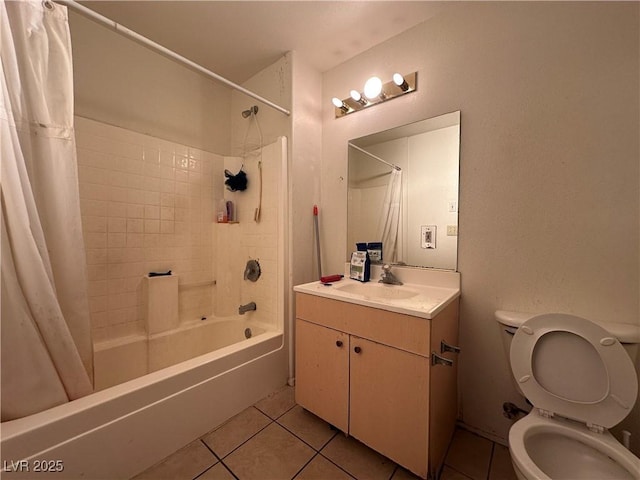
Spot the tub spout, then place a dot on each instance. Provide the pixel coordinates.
(242, 309)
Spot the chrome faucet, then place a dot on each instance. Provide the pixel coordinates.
(387, 277)
(242, 309)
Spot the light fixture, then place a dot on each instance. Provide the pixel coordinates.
(400, 81)
(355, 95)
(374, 92)
(340, 104)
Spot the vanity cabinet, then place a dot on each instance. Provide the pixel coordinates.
(368, 372)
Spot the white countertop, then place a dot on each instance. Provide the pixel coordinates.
(431, 293)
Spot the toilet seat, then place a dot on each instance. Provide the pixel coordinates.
(571, 367)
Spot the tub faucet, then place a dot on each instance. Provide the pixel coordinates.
(387, 277)
(242, 309)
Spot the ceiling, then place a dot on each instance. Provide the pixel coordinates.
(237, 39)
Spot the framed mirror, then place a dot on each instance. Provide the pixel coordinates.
(403, 192)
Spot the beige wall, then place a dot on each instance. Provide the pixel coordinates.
(305, 168)
(549, 181)
(120, 82)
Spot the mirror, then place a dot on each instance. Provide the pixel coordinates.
(403, 192)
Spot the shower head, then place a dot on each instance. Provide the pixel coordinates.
(253, 110)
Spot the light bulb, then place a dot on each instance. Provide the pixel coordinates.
(344, 108)
(356, 97)
(373, 88)
(400, 81)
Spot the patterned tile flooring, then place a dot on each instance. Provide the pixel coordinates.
(278, 440)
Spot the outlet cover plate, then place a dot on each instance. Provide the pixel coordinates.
(428, 236)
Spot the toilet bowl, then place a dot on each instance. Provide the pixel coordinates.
(581, 381)
(543, 448)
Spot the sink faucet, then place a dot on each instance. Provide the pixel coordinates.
(242, 309)
(387, 277)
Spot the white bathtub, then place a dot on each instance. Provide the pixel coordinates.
(117, 361)
(122, 430)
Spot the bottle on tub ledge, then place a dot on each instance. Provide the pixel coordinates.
(226, 212)
(222, 215)
(360, 268)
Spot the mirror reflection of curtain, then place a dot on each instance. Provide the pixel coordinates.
(46, 346)
(389, 230)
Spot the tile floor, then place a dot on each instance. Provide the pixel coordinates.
(278, 440)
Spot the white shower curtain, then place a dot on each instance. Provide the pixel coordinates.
(46, 349)
(389, 226)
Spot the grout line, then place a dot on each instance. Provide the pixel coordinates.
(328, 441)
(217, 462)
(493, 448)
(304, 441)
(459, 472)
(229, 470)
(315, 454)
(269, 416)
(236, 448)
(283, 413)
(335, 464)
(394, 471)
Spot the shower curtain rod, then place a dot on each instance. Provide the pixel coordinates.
(122, 30)
(374, 156)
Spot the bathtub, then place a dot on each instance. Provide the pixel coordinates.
(124, 429)
(117, 361)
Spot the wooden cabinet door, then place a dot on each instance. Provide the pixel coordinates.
(389, 408)
(322, 372)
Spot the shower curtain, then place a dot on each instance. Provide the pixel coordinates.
(46, 348)
(389, 226)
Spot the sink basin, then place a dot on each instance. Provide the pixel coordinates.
(425, 293)
(377, 290)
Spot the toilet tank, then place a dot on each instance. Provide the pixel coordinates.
(509, 322)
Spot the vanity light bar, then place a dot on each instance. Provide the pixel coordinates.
(398, 86)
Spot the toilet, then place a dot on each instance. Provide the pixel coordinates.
(581, 380)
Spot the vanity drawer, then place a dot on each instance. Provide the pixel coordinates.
(388, 328)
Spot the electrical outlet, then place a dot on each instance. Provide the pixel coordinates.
(428, 236)
(452, 230)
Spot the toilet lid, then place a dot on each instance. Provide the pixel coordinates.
(574, 368)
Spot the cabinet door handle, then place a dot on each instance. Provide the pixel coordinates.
(438, 360)
(357, 349)
(445, 347)
(338, 343)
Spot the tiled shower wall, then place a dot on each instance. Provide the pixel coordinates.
(147, 205)
(252, 240)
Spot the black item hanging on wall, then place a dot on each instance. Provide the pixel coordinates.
(237, 182)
